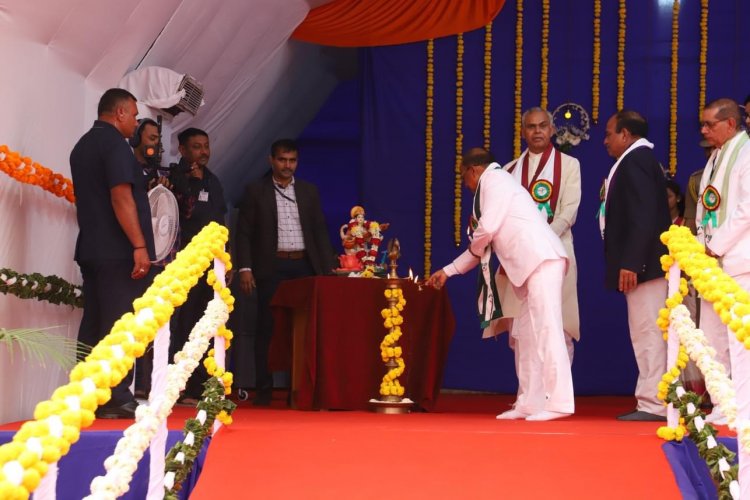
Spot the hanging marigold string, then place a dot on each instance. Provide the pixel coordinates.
(519, 81)
(621, 57)
(23, 169)
(459, 137)
(673, 89)
(487, 84)
(597, 56)
(429, 106)
(545, 54)
(703, 57)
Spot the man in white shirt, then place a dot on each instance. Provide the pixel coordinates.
(723, 222)
(506, 221)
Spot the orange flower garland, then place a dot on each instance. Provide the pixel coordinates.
(621, 57)
(673, 89)
(430, 105)
(596, 72)
(487, 84)
(519, 81)
(459, 137)
(23, 169)
(703, 57)
(545, 54)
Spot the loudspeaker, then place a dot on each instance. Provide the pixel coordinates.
(135, 141)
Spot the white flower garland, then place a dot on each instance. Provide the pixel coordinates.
(122, 464)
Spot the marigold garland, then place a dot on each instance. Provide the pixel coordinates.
(459, 137)
(597, 57)
(673, 89)
(428, 141)
(517, 91)
(23, 169)
(389, 350)
(53, 289)
(57, 422)
(703, 57)
(621, 56)
(487, 84)
(545, 54)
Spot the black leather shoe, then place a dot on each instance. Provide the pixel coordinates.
(124, 411)
(641, 416)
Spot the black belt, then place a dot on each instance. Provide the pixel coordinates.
(293, 255)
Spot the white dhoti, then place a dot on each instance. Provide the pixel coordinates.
(542, 362)
(644, 303)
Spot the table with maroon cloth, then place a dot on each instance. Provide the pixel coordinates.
(328, 330)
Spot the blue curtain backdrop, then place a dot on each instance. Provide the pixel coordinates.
(367, 147)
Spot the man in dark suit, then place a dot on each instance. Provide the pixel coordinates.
(281, 235)
(634, 214)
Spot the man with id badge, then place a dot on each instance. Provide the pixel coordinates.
(201, 200)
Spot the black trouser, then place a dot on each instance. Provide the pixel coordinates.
(286, 269)
(108, 293)
(187, 316)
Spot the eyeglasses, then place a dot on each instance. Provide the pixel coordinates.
(712, 124)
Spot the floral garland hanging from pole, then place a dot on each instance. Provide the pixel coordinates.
(545, 54)
(621, 56)
(519, 81)
(703, 57)
(487, 84)
(429, 115)
(597, 56)
(459, 137)
(23, 169)
(673, 89)
(52, 289)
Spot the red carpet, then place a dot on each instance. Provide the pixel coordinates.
(459, 451)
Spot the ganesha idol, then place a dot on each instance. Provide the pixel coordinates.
(360, 239)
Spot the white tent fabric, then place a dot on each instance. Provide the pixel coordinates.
(56, 59)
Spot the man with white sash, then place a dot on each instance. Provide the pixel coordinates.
(506, 220)
(723, 222)
(632, 216)
(553, 180)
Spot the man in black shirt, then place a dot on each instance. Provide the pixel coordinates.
(115, 244)
(201, 200)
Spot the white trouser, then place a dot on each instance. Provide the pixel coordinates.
(542, 363)
(650, 349)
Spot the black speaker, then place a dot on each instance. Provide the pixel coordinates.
(135, 141)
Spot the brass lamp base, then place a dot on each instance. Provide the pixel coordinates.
(395, 407)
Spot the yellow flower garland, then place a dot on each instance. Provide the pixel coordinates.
(226, 377)
(428, 141)
(597, 57)
(545, 54)
(730, 301)
(390, 385)
(459, 137)
(621, 56)
(58, 421)
(519, 81)
(703, 57)
(23, 169)
(673, 89)
(487, 84)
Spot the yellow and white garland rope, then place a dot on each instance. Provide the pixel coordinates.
(58, 421)
(597, 57)
(459, 138)
(703, 57)
(517, 91)
(486, 130)
(390, 385)
(545, 55)
(428, 143)
(673, 88)
(621, 55)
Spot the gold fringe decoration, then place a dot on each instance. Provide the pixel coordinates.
(487, 84)
(596, 71)
(621, 57)
(459, 137)
(519, 81)
(545, 54)
(703, 58)
(429, 115)
(673, 88)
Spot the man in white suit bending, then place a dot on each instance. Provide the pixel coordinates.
(506, 221)
(553, 179)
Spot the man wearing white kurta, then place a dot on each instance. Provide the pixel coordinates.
(507, 221)
(723, 222)
(554, 181)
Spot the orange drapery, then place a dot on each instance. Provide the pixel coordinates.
(369, 23)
